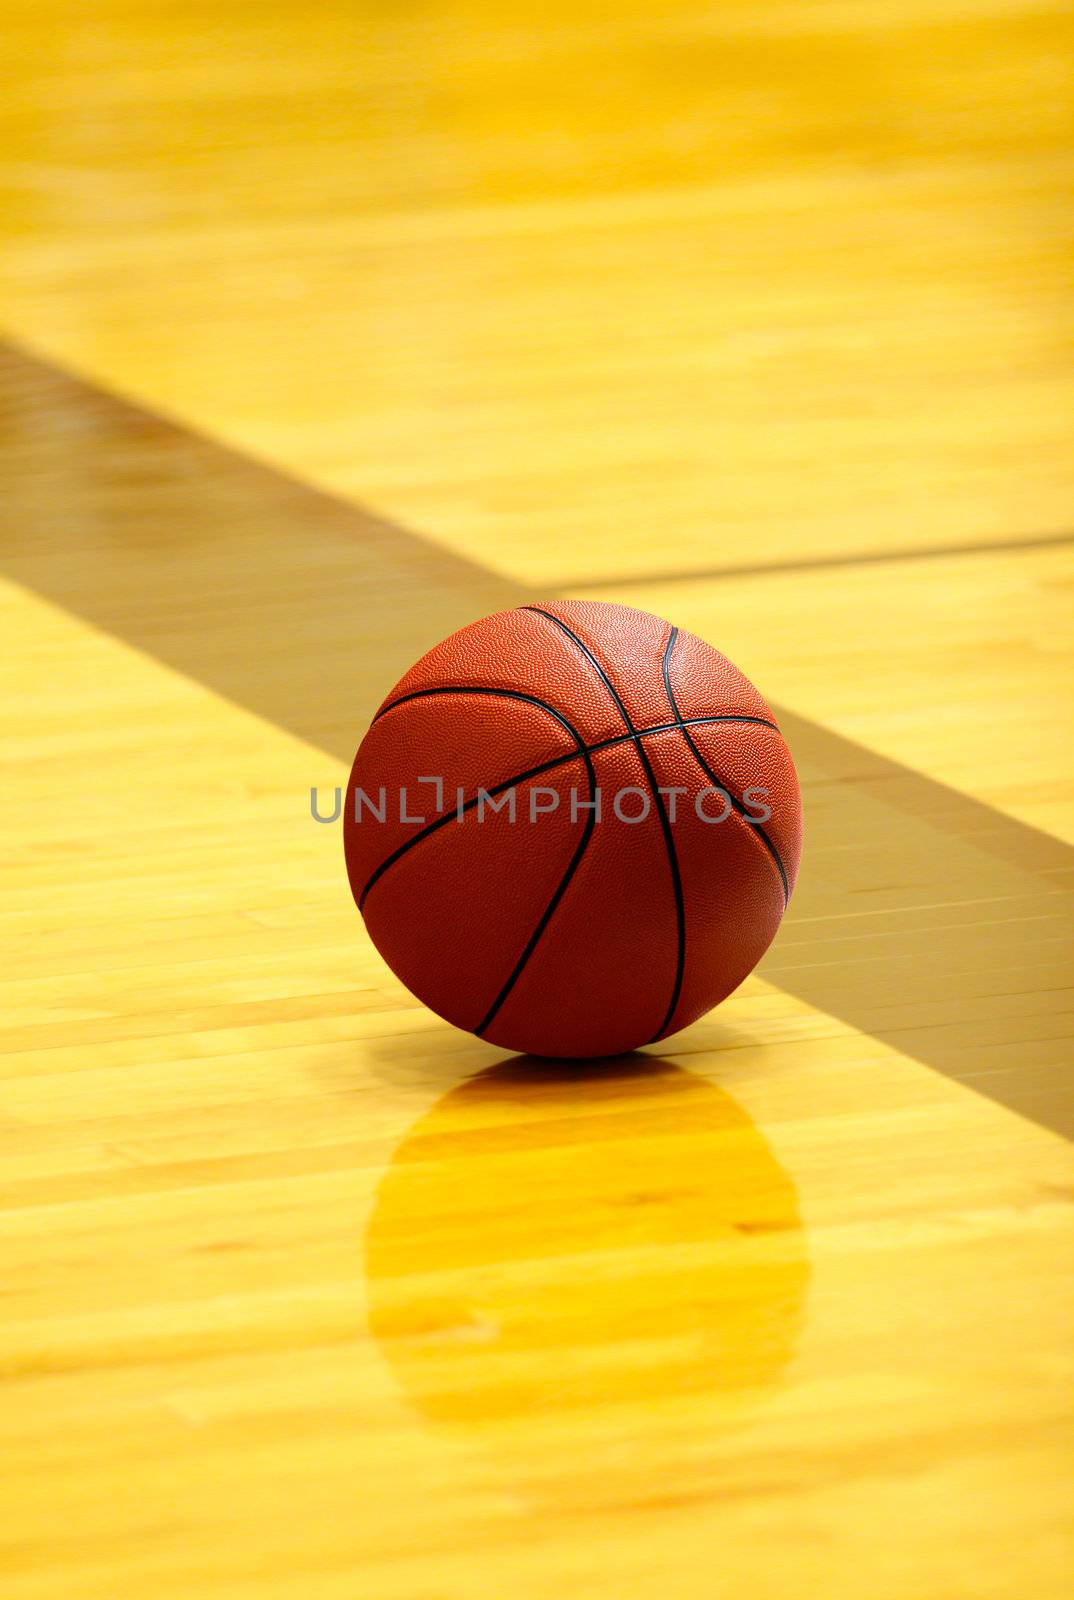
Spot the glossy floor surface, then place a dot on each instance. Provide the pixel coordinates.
(327, 329)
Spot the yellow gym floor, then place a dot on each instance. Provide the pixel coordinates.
(328, 328)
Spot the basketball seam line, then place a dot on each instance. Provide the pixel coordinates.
(711, 776)
(531, 772)
(665, 825)
(572, 867)
(505, 694)
(516, 694)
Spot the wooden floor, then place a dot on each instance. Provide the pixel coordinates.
(327, 329)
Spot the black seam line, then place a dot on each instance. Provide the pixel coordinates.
(516, 694)
(496, 694)
(576, 858)
(572, 865)
(561, 889)
(501, 694)
(536, 772)
(717, 783)
(658, 800)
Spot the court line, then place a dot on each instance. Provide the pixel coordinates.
(863, 558)
(258, 586)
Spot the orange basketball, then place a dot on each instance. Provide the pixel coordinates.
(572, 828)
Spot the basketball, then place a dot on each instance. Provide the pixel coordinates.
(572, 828)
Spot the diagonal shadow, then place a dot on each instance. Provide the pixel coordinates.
(289, 602)
(926, 919)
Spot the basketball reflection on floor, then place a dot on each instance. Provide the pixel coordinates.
(554, 1248)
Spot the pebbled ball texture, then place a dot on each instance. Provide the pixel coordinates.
(557, 932)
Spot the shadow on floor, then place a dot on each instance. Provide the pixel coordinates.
(923, 918)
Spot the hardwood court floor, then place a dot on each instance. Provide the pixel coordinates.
(326, 330)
